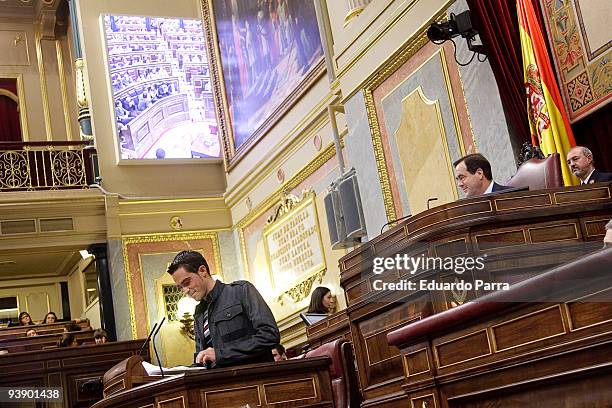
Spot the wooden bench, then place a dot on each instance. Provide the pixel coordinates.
(33, 343)
(68, 368)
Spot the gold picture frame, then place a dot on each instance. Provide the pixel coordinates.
(232, 152)
(298, 287)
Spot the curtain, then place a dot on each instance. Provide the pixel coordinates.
(10, 128)
(497, 24)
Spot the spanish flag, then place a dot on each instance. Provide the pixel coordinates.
(550, 127)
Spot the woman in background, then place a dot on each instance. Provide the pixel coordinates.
(49, 318)
(322, 301)
(25, 319)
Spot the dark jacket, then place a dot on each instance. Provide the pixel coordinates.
(598, 177)
(242, 327)
(499, 187)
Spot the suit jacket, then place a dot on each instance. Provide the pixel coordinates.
(598, 177)
(499, 187)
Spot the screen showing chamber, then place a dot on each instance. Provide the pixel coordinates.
(162, 93)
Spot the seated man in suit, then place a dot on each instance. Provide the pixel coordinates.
(580, 162)
(474, 177)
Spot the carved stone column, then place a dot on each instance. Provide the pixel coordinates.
(84, 116)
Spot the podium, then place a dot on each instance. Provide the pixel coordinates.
(292, 383)
(519, 234)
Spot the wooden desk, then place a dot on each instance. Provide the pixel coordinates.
(145, 129)
(292, 383)
(334, 327)
(500, 353)
(68, 368)
(521, 234)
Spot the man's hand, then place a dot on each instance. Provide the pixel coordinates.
(206, 355)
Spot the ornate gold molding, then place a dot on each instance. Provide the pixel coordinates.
(300, 291)
(81, 84)
(9, 94)
(393, 63)
(352, 14)
(43, 84)
(162, 237)
(63, 88)
(328, 153)
(285, 206)
(368, 93)
(232, 154)
(289, 206)
(438, 15)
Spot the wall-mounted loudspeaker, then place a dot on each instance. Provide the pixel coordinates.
(352, 212)
(337, 233)
(345, 219)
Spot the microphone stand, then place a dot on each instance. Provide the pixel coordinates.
(393, 221)
(147, 340)
(155, 348)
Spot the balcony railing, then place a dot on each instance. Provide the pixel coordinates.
(28, 166)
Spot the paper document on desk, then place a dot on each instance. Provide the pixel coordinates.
(154, 370)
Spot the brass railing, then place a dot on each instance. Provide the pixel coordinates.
(28, 166)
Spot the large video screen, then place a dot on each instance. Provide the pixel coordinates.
(161, 87)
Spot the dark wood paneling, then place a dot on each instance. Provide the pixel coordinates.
(542, 354)
(520, 235)
(290, 391)
(66, 368)
(462, 349)
(243, 396)
(287, 384)
(578, 392)
(535, 326)
(417, 362)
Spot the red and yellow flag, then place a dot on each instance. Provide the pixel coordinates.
(550, 127)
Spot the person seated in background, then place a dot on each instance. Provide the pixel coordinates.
(50, 317)
(322, 301)
(25, 319)
(278, 352)
(67, 340)
(72, 327)
(100, 336)
(31, 333)
(608, 237)
(474, 176)
(122, 114)
(580, 162)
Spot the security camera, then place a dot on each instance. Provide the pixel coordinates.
(458, 25)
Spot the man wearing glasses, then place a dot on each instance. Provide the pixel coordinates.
(233, 323)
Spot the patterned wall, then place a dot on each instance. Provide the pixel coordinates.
(581, 42)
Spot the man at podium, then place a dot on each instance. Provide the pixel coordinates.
(233, 323)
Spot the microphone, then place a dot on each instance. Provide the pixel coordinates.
(392, 221)
(155, 348)
(147, 340)
(431, 199)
